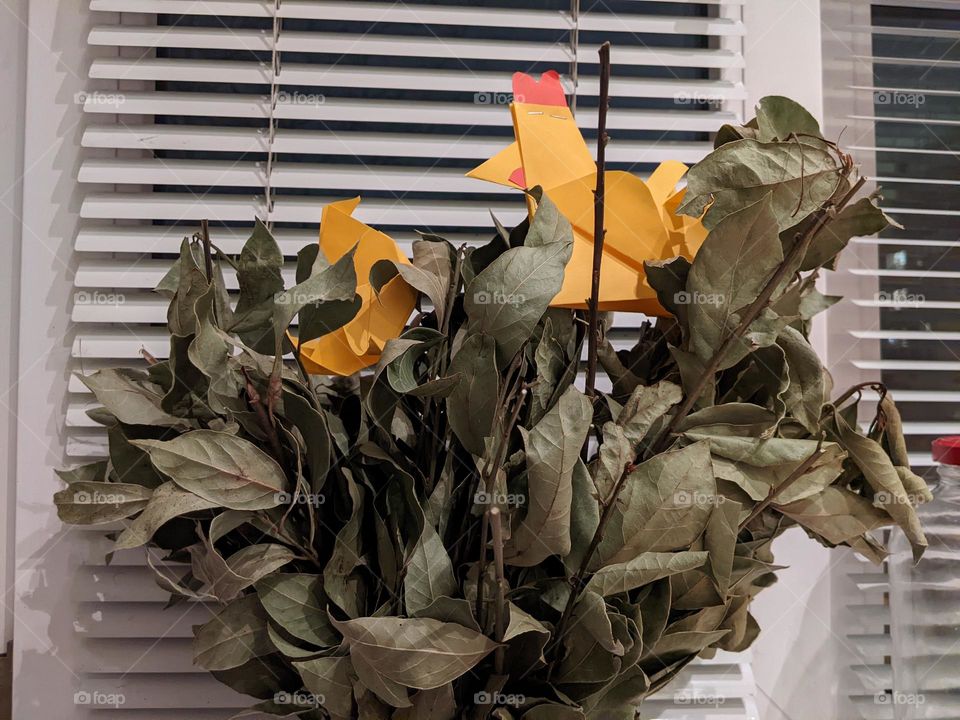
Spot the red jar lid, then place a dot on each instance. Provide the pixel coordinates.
(946, 450)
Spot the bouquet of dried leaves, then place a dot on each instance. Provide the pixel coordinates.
(461, 531)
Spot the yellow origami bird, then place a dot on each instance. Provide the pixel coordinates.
(640, 217)
(382, 315)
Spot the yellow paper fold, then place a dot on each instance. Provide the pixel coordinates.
(382, 316)
(639, 216)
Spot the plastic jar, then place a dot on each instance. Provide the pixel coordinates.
(925, 602)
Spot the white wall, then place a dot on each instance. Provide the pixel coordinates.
(795, 658)
(46, 557)
(783, 53)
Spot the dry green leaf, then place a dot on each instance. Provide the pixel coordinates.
(664, 505)
(552, 452)
(297, 603)
(414, 652)
(219, 467)
(95, 503)
(645, 568)
(235, 635)
(798, 177)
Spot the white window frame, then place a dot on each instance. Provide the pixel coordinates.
(13, 55)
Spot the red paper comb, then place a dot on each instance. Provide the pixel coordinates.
(548, 91)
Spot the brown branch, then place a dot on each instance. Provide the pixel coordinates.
(489, 485)
(500, 606)
(875, 385)
(593, 339)
(263, 419)
(207, 251)
(797, 252)
(151, 360)
(798, 473)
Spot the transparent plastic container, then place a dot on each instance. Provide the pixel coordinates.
(925, 603)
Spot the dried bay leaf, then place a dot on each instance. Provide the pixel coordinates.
(167, 502)
(437, 704)
(339, 583)
(219, 467)
(429, 572)
(415, 652)
(733, 265)
(236, 634)
(645, 406)
(780, 118)
(805, 395)
(615, 454)
(883, 477)
(643, 569)
(471, 405)
(861, 218)
(584, 516)
(129, 398)
(225, 579)
(720, 542)
(371, 680)
(836, 515)
(552, 452)
(258, 273)
(507, 298)
(431, 272)
(731, 418)
(664, 505)
(329, 678)
(798, 177)
(332, 290)
(297, 603)
(96, 503)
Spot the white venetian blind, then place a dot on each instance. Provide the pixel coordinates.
(893, 83)
(231, 109)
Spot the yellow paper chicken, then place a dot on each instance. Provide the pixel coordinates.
(382, 315)
(640, 219)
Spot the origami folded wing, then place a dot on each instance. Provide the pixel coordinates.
(640, 217)
(382, 315)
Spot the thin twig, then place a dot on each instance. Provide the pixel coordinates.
(797, 252)
(593, 339)
(489, 485)
(874, 385)
(207, 251)
(499, 607)
(438, 368)
(798, 473)
(151, 360)
(263, 419)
